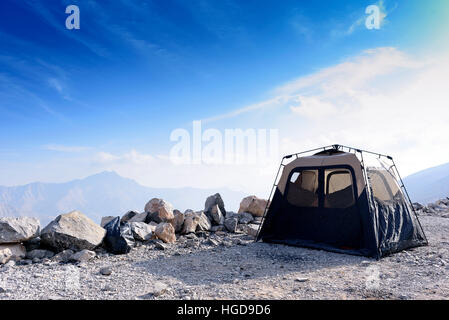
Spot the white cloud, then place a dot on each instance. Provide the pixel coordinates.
(62, 148)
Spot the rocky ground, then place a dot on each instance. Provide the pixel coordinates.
(231, 266)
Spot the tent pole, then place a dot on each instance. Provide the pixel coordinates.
(269, 199)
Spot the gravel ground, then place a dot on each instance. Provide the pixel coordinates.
(231, 266)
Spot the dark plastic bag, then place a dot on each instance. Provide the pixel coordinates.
(118, 240)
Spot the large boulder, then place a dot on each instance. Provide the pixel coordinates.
(118, 240)
(73, 231)
(204, 223)
(191, 221)
(142, 231)
(212, 201)
(14, 230)
(159, 210)
(165, 232)
(13, 251)
(178, 220)
(253, 205)
(216, 215)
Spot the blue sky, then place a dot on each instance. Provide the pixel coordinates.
(136, 70)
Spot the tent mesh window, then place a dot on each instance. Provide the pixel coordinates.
(339, 190)
(303, 188)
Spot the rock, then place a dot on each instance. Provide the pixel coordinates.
(178, 220)
(165, 232)
(204, 223)
(216, 215)
(257, 220)
(159, 210)
(212, 201)
(159, 244)
(63, 256)
(253, 205)
(118, 240)
(128, 215)
(301, 279)
(245, 218)
(141, 217)
(11, 252)
(220, 227)
(39, 253)
(105, 220)
(32, 244)
(15, 230)
(72, 231)
(251, 229)
(231, 224)
(106, 271)
(142, 231)
(82, 256)
(191, 221)
(418, 206)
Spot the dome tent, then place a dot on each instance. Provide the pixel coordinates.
(341, 199)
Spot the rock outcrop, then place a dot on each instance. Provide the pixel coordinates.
(253, 205)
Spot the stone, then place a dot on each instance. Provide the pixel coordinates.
(141, 217)
(127, 216)
(245, 218)
(159, 210)
(39, 253)
(82, 256)
(165, 232)
(63, 256)
(216, 215)
(251, 229)
(204, 223)
(11, 252)
(220, 227)
(212, 201)
(73, 231)
(191, 221)
(253, 205)
(159, 289)
(142, 231)
(32, 244)
(106, 271)
(231, 224)
(301, 279)
(16, 230)
(119, 238)
(178, 220)
(106, 220)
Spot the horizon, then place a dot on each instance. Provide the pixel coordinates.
(136, 83)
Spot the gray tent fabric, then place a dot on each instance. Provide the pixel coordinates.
(333, 201)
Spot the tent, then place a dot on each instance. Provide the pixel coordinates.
(341, 199)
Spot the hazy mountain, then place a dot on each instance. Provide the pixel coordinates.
(99, 195)
(428, 185)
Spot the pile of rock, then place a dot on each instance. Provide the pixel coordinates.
(438, 208)
(13, 233)
(75, 237)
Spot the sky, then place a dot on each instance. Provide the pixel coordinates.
(109, 95)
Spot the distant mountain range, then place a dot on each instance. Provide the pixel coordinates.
(428, 185)
(103, 194)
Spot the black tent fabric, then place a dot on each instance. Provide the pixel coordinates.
(372, 225)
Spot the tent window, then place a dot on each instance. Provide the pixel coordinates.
(303, 188)
(339, 191)
(383, 185)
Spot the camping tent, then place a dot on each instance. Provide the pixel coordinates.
(335, 200)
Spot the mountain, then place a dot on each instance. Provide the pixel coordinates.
(103, 194)
(428, 185)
